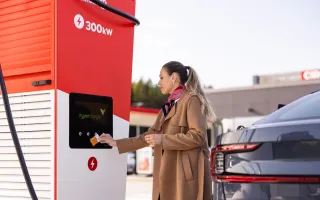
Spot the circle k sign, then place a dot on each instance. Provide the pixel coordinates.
(310, 75)
(92, 163)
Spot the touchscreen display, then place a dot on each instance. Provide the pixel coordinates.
(90, 116)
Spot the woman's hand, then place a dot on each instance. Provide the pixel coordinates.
(153, 139)
(107, 139)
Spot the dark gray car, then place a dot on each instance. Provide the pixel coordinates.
(277, 158)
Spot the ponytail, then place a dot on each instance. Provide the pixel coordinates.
(193, 85)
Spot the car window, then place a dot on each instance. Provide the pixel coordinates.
(307, 107)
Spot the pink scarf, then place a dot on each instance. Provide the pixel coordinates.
(171, 100)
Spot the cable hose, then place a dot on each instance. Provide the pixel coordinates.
(15, 137)
(116, 11)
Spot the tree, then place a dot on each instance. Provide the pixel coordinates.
(147, 94)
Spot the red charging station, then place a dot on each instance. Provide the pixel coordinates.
(67, 66)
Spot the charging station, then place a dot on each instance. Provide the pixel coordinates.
(67, 66)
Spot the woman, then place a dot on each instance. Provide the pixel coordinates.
(181, 156)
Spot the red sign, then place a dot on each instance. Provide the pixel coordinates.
(95, 50)
(92, 163)
(310, 74)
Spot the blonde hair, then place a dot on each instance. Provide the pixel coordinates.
(190, 79)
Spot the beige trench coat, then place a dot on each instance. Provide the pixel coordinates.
(182, 172)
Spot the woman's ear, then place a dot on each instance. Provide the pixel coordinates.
(174, 77)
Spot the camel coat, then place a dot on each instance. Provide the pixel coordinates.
(182, 171)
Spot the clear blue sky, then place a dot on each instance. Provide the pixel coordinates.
(227, 41)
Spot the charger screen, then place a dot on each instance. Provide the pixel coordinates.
(90, 116)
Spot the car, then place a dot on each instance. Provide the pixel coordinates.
(276, 158)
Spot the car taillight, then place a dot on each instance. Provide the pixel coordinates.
(218, 153)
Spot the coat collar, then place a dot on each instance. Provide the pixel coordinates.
(173, 109)
(161, 118)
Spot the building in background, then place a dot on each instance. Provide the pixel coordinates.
(298, 76)
(246, 105)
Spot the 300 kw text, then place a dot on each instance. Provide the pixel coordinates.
(91, 26)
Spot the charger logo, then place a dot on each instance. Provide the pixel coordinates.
(102, 111)
(89, 116)
(78, 21)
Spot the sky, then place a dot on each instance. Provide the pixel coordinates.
(227, 41)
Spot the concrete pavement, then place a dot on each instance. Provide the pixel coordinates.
(138, 188)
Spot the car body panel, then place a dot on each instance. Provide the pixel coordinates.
(284, 165)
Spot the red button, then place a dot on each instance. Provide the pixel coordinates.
(92, 163)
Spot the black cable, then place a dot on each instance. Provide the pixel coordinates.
(15, 137)
(116, 11)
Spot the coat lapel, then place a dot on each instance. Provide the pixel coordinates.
(173, 109)
(171, 113)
